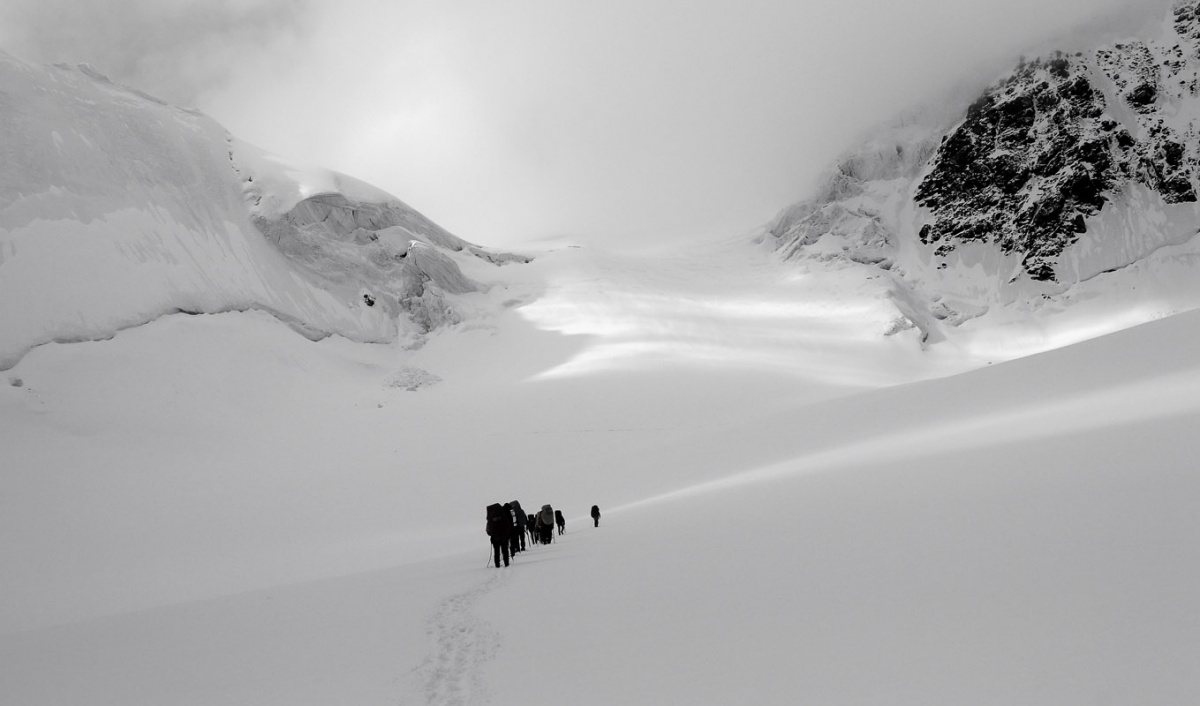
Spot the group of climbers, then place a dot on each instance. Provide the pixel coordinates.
(507, 525)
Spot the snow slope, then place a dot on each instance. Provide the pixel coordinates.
(211, 509)
(116, 209)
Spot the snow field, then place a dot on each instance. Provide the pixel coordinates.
(212, 509)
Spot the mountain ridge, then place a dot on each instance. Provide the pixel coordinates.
(1065, 170)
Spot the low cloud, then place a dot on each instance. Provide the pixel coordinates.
(174, 49)
(626, 119)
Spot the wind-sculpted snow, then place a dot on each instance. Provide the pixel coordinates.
(116, 209)
(1058, 178)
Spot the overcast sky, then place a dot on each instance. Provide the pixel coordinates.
(515, 120)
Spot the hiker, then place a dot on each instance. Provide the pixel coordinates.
(560, 521)
(531, 525)
(517, 541)
(596, 514)
(546, 524)
(499, 527)
(538, 535)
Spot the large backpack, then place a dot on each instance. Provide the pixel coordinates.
(547, 515)
(498, 521)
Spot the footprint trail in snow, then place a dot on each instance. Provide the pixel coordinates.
(460, 644)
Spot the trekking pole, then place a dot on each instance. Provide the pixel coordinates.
(489, 563)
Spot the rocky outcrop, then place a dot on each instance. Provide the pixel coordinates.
(1033, 158)
(1068, 166)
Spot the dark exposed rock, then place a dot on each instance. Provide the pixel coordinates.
(1018, 171)
(1005, 197)
(1142, 97)
(1037, 154)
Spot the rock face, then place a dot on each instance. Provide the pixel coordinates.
(1068, 167)
(1033, 158)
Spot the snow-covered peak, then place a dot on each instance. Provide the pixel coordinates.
(1062, 200)
(116, 208)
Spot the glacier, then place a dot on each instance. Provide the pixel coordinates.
(116, 209)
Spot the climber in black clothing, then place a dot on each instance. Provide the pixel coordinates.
(499, 530)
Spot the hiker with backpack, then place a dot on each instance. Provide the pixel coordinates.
(596, 514)
(546, 524)
(538, 535)
(499, 530)
(517, 540)
(560, 521)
